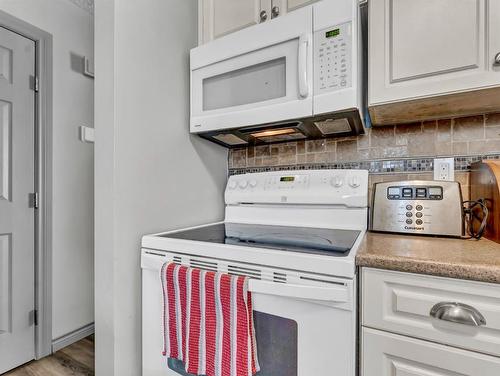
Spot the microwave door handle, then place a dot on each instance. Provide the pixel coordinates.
(302, 65)
(336, 294)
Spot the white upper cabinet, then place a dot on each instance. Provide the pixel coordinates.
(425, 48)
(290, 5)
(220, 17)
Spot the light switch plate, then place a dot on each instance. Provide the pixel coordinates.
(444, 169)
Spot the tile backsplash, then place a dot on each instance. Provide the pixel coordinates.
(396, 152)
(471, 136)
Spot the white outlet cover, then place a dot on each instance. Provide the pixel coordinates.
(444, 169)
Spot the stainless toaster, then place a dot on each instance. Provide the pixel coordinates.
(418, 207)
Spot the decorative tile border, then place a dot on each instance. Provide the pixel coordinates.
(402, 147)
(389, 166)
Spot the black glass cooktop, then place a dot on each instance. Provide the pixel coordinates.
(297, 239)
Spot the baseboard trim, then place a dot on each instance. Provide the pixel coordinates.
(68, 339)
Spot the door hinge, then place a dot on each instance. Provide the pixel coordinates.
(35, 84)
(33, 317)
(33, 200)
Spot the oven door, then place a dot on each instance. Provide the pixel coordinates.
(305, 324)
(305, 330)
(259, 75)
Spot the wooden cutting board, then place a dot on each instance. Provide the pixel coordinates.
(485, 183)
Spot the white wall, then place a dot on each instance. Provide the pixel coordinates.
(72, 31)
(151, 175)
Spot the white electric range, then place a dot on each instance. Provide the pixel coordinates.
(296, 235)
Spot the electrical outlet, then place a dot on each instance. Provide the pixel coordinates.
(444, 169)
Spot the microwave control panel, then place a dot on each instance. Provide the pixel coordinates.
(333, 58)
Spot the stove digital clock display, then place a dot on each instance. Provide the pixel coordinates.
(287, 178)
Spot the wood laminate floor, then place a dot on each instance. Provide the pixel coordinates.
(74, 360)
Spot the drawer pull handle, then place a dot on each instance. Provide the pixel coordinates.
(458, 313)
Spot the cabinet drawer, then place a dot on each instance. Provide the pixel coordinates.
(402, 302)
(386, 354)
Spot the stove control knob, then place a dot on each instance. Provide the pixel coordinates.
(243, 184)
(354, 182)
(253, 183)
(232, 184)
(337, 181)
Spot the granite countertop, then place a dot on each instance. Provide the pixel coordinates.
(477, 260)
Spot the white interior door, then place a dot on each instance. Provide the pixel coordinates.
(17, 108)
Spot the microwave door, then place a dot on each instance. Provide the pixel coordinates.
(258, 86)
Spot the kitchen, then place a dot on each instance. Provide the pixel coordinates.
(301, 144)
(336, 159)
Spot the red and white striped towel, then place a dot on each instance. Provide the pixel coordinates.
(208, 322)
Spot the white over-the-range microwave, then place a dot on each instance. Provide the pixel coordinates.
(296, 77)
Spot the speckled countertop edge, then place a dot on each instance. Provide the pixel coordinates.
(482, 273)
(419, 263)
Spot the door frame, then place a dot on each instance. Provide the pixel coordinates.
(43, 178)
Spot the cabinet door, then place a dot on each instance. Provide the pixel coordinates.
(386, 354)
(221, 17)
(294, 4)
(401, 303)
(426, 48)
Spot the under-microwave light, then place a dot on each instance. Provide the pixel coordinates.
(274, 132)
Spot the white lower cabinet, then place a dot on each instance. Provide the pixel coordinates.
(421, 325)
(402, 303)
(387, 354)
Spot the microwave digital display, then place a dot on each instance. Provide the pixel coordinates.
(332, 33)
(287, 178)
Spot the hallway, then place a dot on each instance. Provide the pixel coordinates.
(74, 360)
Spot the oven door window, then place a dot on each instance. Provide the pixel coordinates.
(277, 346)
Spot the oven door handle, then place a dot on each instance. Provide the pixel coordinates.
(337, 294)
